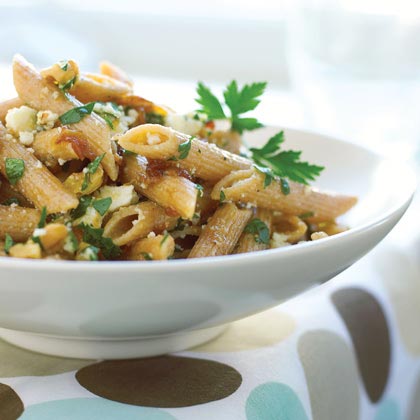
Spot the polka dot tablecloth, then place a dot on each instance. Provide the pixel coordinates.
(347, 350)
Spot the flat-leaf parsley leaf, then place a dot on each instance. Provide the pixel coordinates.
(15, 169)
(260, 231)
(76, 115)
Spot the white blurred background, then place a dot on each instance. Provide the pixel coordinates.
(344, 67)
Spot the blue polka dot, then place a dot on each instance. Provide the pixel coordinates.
(274, 401)
(91, 409)
(388, 410)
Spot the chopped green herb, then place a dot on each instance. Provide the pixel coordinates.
(95, 237)
(64, 65)
(222, 196)
(68, 85)
(80, 210)
(90, 170)
(43, 218)
(306, 215)
(184, 148)
(76, 115)
(8, 243)
(10, 201)
(165, 238)
(180, 224)
(200, 189)
(285, 164)
(239, 101)
(71, 244)
(285, 186)
(128, 153)
(147, 256)
(15, 169)
(260, 231)
(108, 120)
(102, 206)
(153, 118)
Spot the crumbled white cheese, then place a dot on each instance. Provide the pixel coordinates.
(87, 254)
(153, 139)
(184, 123)
(26, 137)
(279, 240)
(21, 119)
(151, 235)
(121, 196)
(91, 217)
(38, 164)
(61, 162)
(39, 232)
(107, 108)
(46, 119)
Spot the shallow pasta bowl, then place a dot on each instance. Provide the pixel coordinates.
(137, 309)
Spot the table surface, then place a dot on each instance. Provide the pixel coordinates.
(349, 349)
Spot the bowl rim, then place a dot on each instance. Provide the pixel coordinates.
(204, 262)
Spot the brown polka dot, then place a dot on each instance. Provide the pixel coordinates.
(414, 411)
(261, 330)
(11, 406)
(368, 328)
(22, 362)
(167, 381)
(331, 375)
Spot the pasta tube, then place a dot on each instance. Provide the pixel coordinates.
(37, 183)
(18, 222)
(247, 186)
(222, 232)
(203, 160)
(171, 191)
(39, 93)
(135, 222)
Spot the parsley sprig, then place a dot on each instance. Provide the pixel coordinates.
(91, 169)
(238, 101)
(272, 161)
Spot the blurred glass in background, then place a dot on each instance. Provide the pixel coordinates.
(356, 67)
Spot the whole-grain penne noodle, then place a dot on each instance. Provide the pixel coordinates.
(37, 183)
(9, 104)
(42, 94)
(18, 222)
(109, 69)
(247, 186)
(135, 222)
(9, 195)
(171, 191)
(60, 145)
(249, 242)
(203, 160)
(159, 247)
(98, 87)
(222, 232)
(227, 140)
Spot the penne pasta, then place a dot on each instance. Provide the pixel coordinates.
(203, 160)
(250, 242)
(135, 222)
(37, 183)
(18, 222)
(90, 170)
(108, 69)
(59, 145)
(222, 232)
(41, 94)
(98, 87)
(247, 186)
(159, 247)
(169, 190)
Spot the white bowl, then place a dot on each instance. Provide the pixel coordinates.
(137, 309)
